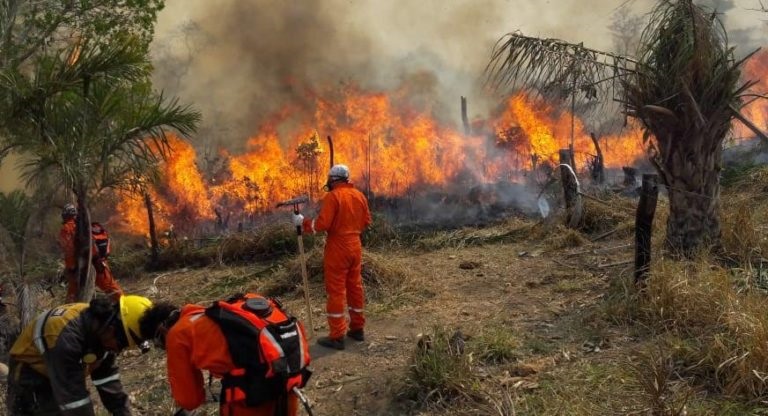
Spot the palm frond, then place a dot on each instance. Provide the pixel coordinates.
(549, 65)
(689, 69)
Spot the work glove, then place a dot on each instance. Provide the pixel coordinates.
(298, 220)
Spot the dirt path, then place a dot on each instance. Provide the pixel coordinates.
(505, 284)
(522, 292)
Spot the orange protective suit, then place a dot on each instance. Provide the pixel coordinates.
(196, 343)
(344, 215)
(104, 279)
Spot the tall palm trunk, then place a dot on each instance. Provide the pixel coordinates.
(83, 245)
(693, 183)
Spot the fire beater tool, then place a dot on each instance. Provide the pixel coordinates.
(296, 202)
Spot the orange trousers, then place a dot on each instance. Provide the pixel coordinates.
(104, 281)
(266, 409)
(342, 267)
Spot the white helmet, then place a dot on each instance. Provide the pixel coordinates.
(339, 172)
(69, 211)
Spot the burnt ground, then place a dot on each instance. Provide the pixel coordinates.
(545, 298)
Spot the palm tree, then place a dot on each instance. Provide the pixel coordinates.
(684, 89)
(104, 131)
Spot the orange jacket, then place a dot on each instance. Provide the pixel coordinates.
(193, 344)
(344, 213)
(67, 243)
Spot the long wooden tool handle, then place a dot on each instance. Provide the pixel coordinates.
(304, 277)
(330, 147)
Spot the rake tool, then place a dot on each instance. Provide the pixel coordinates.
(296, 202)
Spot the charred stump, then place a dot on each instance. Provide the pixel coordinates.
(464, 117)
(573, 202)
(630, 176)
(153, 244)
(597, 167)
(646, 209)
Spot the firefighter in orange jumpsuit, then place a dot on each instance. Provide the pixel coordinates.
(344, 215)
(104, 279)
(194, 342)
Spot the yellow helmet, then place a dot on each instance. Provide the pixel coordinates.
(132, 308)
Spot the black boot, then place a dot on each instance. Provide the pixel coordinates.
(356, 334)
(328, 342)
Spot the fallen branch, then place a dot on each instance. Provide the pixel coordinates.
(340, 382)
(570, 266)
(598, 250)
(618, 263)
(605, 234)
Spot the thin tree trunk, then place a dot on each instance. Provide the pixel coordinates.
(83, 245)
(694, 202)
(154, 247)
(646, 210)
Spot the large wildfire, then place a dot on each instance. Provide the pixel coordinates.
(393, 147)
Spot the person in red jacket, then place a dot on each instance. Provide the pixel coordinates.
(195, 342)
(344, 215)
(104, 279)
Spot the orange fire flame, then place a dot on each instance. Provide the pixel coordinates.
(756, 111)
(388, 145)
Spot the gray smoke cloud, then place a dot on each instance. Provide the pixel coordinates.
(240, 60)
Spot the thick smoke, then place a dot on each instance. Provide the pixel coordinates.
(240, 60)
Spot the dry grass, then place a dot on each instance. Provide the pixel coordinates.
(565, 238)
(440, 372)
(599, 218)
(382, 277)
(514, 229)
(721, 332)
(743, 239)
(267, 243)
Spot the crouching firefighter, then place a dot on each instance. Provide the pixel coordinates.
(53, 355)
(259, 351)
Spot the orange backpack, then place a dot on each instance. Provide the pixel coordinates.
(100, 236)
(267, 345)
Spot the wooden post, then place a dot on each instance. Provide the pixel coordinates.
(464, 117)
(643, 227)
(630, 176)
(573, 201)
